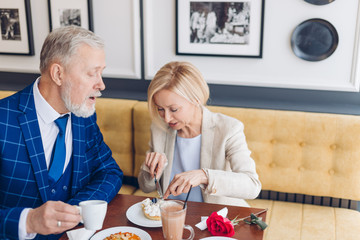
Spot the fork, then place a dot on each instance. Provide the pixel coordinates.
(158, 187)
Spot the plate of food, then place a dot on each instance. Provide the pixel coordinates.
(120, 233)
(145, 214)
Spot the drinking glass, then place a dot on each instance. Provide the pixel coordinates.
(173, 216)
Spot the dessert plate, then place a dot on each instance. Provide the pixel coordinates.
(135, 215)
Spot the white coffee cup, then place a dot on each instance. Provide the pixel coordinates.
(93, 213)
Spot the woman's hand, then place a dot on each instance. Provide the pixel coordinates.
(155, 162)
(182, 182)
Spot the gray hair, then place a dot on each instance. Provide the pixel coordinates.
(62, 43)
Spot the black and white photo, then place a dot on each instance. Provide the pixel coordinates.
(68, 12)
(220, 22)
(224, 28)
(10, 25)
(16, 28)
(70, 17)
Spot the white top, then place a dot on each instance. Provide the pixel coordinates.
(186, 158)
(49, 130)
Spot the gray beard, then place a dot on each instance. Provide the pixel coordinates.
(80, 110)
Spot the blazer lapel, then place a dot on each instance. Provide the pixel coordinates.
(207, 138)
(169, 151)
(78, 156)
(30, 128)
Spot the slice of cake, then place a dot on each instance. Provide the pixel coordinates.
(151, 210)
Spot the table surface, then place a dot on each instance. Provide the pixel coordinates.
(116, 216)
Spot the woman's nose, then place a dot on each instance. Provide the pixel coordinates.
(167, 117)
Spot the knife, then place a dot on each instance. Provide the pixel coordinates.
(158, 187)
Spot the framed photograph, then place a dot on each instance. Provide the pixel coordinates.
(16, 28)
(220, 28)
(69, 12)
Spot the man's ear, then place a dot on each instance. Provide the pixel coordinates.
(56, 73)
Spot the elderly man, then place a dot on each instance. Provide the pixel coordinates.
(52, 153)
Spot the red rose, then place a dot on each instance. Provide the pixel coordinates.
(220, 226)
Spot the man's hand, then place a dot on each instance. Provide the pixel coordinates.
(44, 219)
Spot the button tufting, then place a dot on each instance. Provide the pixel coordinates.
(53, 191)
(302, 144)
(331, 171)
(64, 188)
(272, 164)
(333, 146)
(273, 141)
(301, 169)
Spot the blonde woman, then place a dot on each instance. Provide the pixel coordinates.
(191, 146)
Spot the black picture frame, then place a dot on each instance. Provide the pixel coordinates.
(69, 12)
(16, 28)
(231, 28)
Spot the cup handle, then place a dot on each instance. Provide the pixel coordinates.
(192, 233)
(78, 207)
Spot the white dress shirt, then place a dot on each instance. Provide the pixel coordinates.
(49, 130)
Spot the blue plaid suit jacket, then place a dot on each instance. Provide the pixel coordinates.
(23, 172)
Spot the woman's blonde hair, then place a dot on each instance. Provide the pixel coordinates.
(182, 78)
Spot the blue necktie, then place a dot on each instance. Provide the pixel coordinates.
(59, 150)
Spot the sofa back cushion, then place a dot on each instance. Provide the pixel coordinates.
(300, 152)
(4, 94)
(142, 124)
(295, 152)
(114, 117)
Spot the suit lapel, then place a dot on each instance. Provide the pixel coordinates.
(207, 138)
(30, 128)
(169, 151)
(78, 131)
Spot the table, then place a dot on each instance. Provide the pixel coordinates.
(116, 216)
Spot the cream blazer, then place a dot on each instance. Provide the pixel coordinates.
(224, 155)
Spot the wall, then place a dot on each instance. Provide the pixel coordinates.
(278, 67)
(117, 22)
(135, 51)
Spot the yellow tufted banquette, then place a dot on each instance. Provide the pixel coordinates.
(295, 152)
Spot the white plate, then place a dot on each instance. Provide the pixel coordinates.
(217, 238)
(135, 215)
(107, 232)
